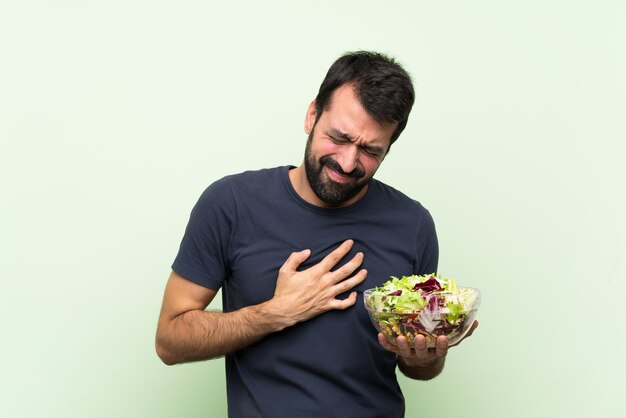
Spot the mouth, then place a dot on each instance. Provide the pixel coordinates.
(338, 177)
(336, 174)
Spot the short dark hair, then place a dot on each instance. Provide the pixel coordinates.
(382, 86)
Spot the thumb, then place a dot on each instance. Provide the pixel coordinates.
(294, 261)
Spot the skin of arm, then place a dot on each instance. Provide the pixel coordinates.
(186, 332)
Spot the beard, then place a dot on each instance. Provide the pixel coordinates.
(326, 189)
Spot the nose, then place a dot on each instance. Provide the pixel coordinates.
(348, 159)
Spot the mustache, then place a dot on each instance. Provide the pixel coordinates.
(357, 173)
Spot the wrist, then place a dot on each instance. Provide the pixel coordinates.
(422, 364)
(423, 370)
(274, 315)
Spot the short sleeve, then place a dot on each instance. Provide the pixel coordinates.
(204, 251)
(428, 246)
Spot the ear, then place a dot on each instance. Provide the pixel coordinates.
(309, 120)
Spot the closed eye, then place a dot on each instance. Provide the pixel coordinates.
(370, 151)
(373, 151)
(339, 137)
(337, 140)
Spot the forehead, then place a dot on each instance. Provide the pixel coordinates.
(346, 114)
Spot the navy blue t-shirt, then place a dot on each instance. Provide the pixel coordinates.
(240, 233)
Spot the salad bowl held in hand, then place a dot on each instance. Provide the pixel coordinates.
(426, 305)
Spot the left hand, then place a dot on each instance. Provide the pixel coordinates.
(420, 355)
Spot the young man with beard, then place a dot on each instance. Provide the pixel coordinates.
(293, 248)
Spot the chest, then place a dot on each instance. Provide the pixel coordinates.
(263, 242)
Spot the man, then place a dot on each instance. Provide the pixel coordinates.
(293, 248)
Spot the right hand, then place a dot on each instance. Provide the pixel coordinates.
(301, 295)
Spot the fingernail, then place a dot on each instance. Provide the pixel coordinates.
(306, 252)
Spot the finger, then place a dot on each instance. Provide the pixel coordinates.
(469, 333)
(348, 284)
(294, 261)
(441, 346)
(474, 326)
(471, 330)
(386, 344)
(421, 347)
(341, 304)
(333, 258)
(348, 268)
(404, 349)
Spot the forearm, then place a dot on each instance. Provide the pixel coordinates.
(186, 332)
(426, 372)
(201, 335)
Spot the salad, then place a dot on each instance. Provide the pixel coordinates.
(428, 305)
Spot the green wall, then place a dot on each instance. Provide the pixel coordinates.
(115, 115)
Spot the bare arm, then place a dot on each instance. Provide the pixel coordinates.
(186, 332)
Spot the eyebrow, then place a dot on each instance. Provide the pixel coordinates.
(336, 132)
(339, 134)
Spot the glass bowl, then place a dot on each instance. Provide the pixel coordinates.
(443, 313)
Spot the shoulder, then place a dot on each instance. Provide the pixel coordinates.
(394, 200)
(247, 181)
(252, 178)
(400, 209)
